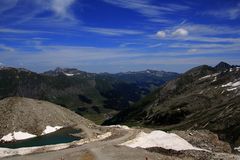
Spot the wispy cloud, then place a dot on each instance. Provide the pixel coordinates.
(124, 45)
(62, 8)
(112, 31)
(17, 31)
(79, 56)
(226, 13)
(67, 56)
(155, 45)
(210, 29)
(169, 61)
(148, 9)
(161, 20)
(22, 11)
(6, 5)
(6, 48)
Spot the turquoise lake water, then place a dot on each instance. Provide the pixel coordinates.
(60, 136)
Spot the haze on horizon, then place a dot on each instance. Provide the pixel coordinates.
(119, 35)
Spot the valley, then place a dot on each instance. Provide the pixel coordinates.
(95, 96)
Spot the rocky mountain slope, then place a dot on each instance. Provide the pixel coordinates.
(95, 96)
(32, 116)
(204, 97)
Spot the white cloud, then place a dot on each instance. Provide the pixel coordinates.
(180, 32)
(173, 33)
(161, 34)
(61, 8)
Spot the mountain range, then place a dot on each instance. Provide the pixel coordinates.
(95, 96)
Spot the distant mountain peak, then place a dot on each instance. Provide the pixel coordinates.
(2, 67)
(153, 71)
(64, 71)
(222, 66)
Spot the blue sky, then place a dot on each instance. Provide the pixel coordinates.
(119, 35)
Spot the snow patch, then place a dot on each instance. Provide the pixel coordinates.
(205, 77)
(232, 86)
(160, 139)
(215, 79)
(236, 84)
(201, 92)
(237, 149)
(231, 89)
(228, 84)
(209, 76)
(69, 74)
(50, 129)
(120, 126)
(17, 136)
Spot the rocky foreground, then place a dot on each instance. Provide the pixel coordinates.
(131, 144)
(102, 142)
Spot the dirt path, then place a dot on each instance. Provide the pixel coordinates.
(109, 149)
(94, 149)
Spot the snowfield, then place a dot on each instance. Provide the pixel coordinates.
(160, 139)
(50, 129)
(17, 136)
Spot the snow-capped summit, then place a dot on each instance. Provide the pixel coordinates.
(64, 71)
